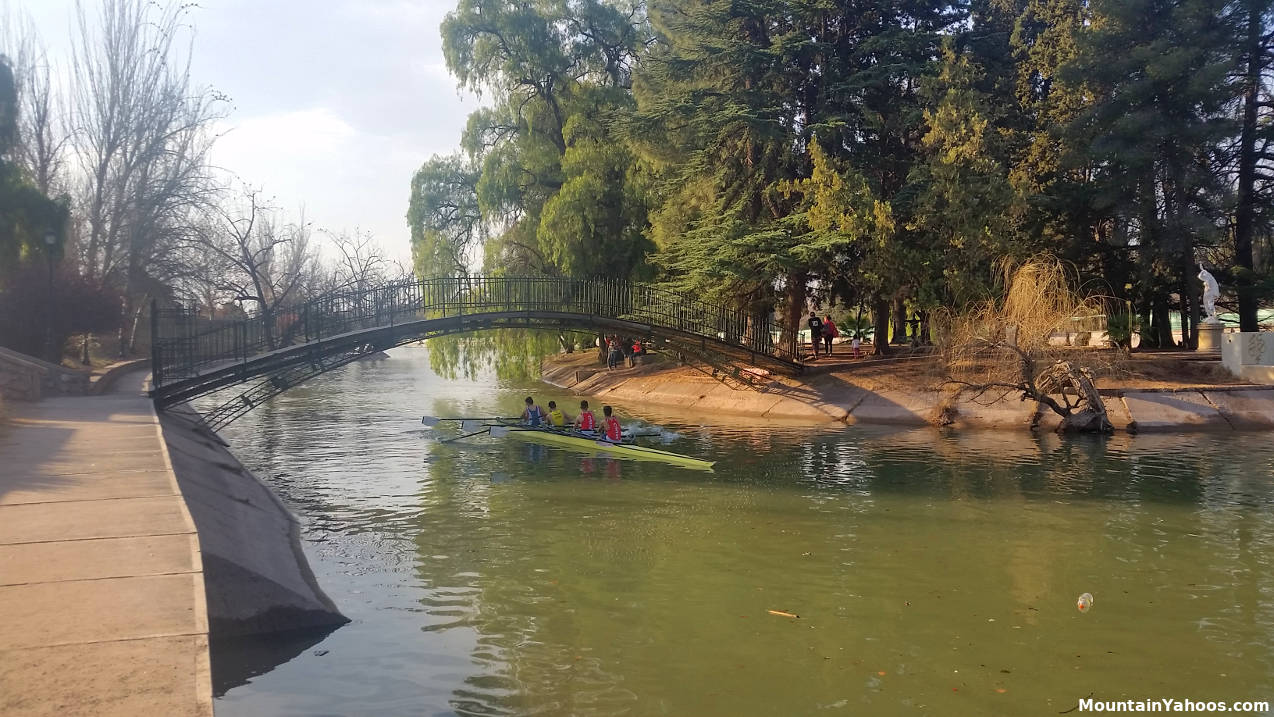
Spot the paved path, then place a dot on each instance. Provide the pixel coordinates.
(101, 587)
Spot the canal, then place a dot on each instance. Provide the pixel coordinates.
(834, 570)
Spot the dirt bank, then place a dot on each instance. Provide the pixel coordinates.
(1154, 394)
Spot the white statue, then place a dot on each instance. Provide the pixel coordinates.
(1211, 292)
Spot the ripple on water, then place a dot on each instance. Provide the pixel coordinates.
(927, 568)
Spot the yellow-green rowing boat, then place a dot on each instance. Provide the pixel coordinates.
(582, 442)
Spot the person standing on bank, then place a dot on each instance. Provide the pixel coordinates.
(816, 331)
(829, 332)
(614, 354)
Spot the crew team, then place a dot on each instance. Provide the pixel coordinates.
(585, 422)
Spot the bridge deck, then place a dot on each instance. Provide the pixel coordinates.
(101, 586)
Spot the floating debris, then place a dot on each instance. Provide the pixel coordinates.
(780, 613)
(1085, 602)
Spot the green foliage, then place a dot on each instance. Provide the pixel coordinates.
(514, 354)
(766, 152)
(446, 224)
(26, 214)
(544, 165)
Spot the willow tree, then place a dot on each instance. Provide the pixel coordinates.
(558, 191)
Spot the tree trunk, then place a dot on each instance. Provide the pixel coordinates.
(1162, 324)
(900, 321)
(880, 317)
(132, 330)
(794, 312)
(1245, 207)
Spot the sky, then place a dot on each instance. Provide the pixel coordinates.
(334, 103)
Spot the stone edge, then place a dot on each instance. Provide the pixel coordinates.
(203, 662)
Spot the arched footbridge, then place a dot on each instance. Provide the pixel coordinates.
(193, 356)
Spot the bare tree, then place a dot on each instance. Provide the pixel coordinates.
(141, 136)
(254, 256)
(360, 262)
(1005, 348)
(41, 137)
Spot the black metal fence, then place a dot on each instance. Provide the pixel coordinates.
(186, 344)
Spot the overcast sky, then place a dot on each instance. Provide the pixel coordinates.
(335, 102)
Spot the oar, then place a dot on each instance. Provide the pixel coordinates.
(435, 420)
(495, 431)
(467, 435)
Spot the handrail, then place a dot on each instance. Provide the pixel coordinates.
(184, 343)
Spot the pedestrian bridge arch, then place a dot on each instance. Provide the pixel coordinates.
(193, 356)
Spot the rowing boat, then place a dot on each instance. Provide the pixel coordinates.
(584, 442)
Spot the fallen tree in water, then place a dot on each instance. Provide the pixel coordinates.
(1002, 348)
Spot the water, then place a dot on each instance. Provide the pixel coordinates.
(931, 573)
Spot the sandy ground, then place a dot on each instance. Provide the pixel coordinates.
(1147, 392)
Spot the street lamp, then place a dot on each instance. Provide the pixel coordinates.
(50, 241)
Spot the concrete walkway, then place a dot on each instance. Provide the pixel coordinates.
(102, 607)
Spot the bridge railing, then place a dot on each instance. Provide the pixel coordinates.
(186, 344)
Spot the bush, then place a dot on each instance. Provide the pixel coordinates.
(29, 317)
(1119, 330)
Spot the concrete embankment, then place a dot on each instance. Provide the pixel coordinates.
(257, 577)
(125, 539)
(835, 397)
(102, 608)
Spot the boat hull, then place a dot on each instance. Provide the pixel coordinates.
(621, 450)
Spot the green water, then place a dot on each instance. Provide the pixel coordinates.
(932, 573)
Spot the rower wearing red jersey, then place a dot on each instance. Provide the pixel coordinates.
(585, 421)
(614, 433)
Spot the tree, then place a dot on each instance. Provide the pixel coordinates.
(141, 144)
(553, 189)
(446, 223)
(257, 258)
(1160, 70)
(730, 98)
(26, 214)
(1253, 172)
(360, 262)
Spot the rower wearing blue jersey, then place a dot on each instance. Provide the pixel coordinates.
(533, 415)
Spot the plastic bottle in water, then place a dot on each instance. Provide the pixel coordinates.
(1085, 602)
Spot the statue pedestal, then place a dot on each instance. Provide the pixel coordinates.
(1210, 337)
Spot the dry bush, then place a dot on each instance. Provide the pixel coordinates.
(1002, 347)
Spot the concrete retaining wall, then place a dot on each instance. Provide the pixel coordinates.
(256, 575)
(27, 378)
(1249, 355)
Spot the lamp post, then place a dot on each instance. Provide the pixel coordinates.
(50, 240)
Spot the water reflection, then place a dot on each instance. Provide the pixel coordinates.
(931, 572)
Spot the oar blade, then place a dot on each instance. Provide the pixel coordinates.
(470, 424)
(499, 431)
(430, 421)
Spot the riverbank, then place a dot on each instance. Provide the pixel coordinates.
(1152, 395)
(257, 577)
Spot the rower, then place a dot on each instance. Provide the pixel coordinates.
(585, 422)
(614, 432)
(557, 419)
(532, 415)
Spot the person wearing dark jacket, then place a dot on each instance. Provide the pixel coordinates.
(816, 331)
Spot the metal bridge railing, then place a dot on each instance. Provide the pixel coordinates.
(186, 344)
